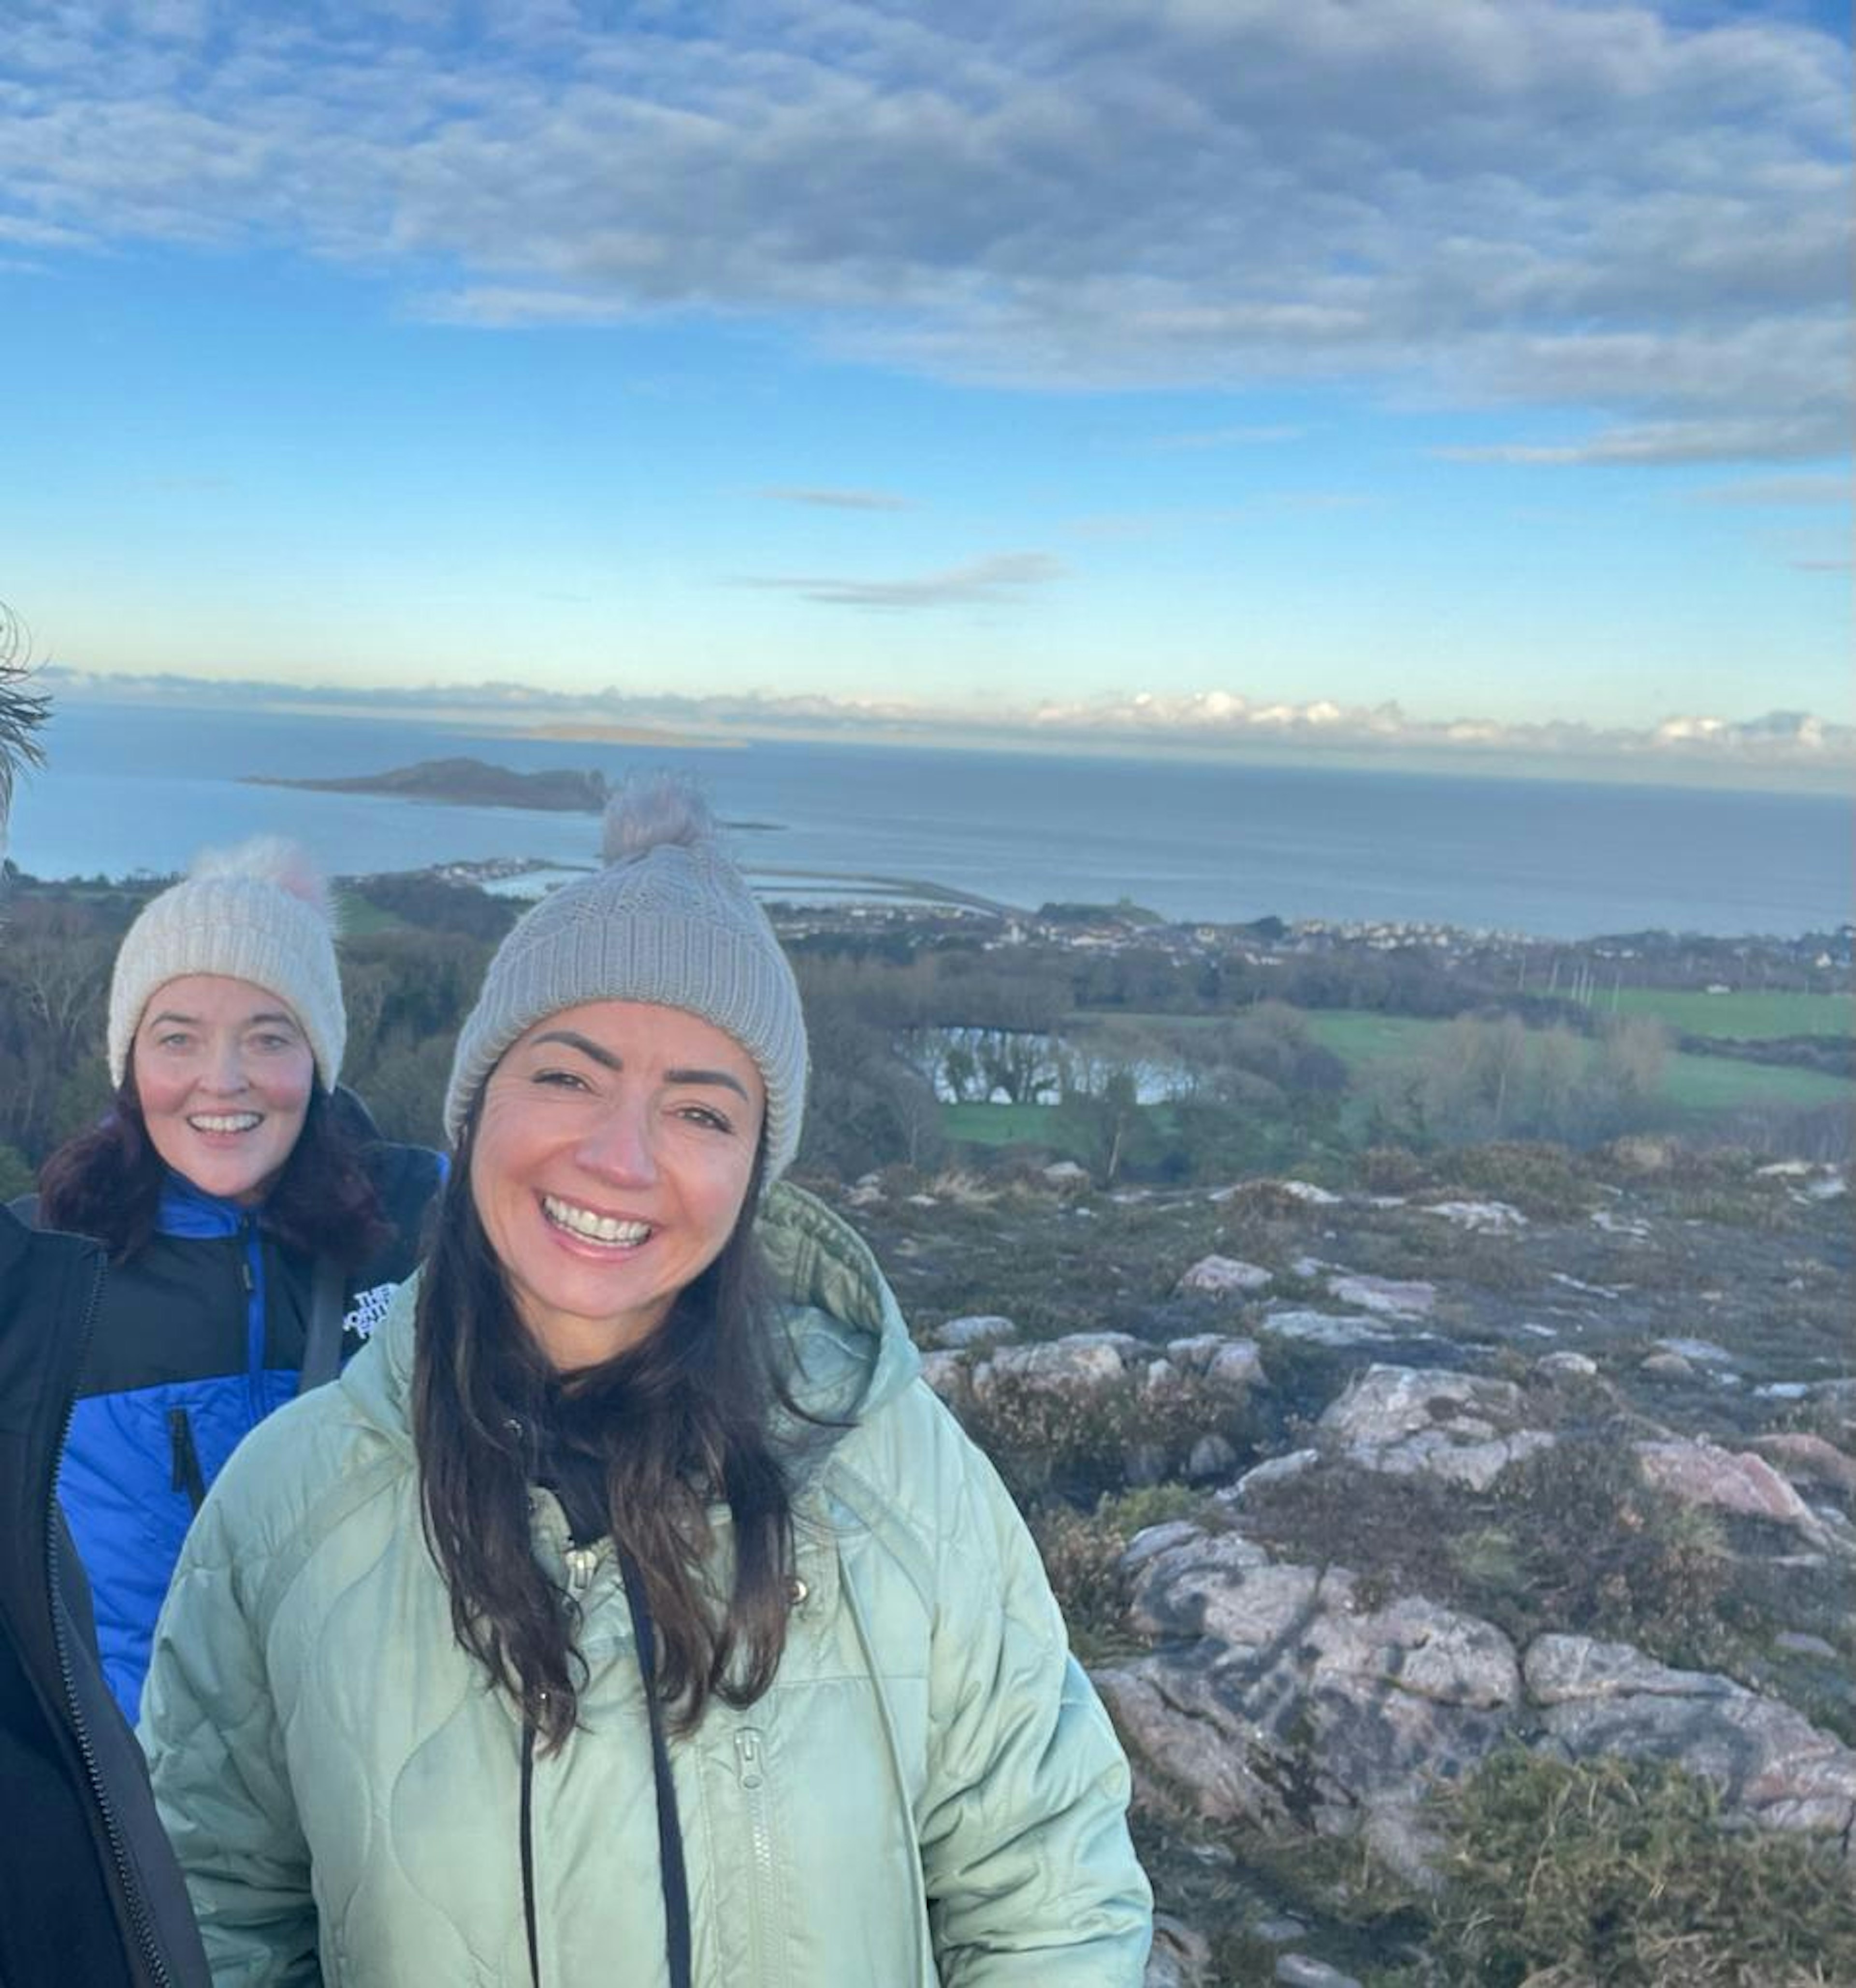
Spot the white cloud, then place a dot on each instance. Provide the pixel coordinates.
(987, 582)
(840, 500)
(1637, 216)
(1780, 490)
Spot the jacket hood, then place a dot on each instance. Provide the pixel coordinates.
(847, 1346)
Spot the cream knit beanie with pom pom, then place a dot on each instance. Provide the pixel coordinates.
(259, 912)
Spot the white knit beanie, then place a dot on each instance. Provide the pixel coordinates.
(259, 912)
(668, 920)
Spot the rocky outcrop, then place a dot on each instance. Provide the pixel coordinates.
(1277, 1695)
(1770, 1764)
(1722, 1480)
(1402, 1420)
(1280, 1695)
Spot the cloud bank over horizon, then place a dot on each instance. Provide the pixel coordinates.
(1774, 748)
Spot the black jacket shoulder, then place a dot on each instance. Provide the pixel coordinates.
(89, 1891)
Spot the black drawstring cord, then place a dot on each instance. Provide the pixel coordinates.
(671, 1875)
(528, 1847)
(670, 1831)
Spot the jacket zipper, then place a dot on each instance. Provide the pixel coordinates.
(751, 1771)
(250, 1275)
(188, 1475)
(125, 1877)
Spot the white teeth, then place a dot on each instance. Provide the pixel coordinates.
(595, 1228)
(224, 1121)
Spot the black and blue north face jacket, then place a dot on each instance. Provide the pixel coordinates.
(198, 1337)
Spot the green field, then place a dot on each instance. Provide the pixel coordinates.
(1363, 1039)
(1740, 1017)
(1005, 1125)
(1690, 1082)
(359, 916)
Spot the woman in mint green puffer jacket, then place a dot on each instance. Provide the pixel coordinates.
(603, 1623)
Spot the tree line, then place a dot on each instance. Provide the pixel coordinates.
(1153, 1067)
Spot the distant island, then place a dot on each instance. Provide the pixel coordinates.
(464, 782)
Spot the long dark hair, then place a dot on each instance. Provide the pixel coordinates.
(681, 1419)
(106, 1182)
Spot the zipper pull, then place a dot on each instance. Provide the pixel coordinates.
(581, 1562)
(747, 1758)
(188, 1475)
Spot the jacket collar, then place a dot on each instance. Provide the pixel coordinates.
(186, 1210)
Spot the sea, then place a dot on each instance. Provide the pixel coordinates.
(142, 789)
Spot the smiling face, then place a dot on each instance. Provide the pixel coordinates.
(610, 1163)
(224, 1073)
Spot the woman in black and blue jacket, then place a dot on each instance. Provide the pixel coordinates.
(254, 1222)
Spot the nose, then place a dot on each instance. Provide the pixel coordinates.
(224, 1067)
(617, 1147)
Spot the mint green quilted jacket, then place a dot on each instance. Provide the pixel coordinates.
(930, 1792)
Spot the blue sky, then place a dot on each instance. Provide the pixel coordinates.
(1218, 367)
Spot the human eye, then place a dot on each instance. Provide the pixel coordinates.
(556, 1078)
(707, 1117)
(272, 1042)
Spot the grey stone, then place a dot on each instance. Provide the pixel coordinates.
(1224, 1276)
(1770, 1763)
(1232, 1366)
(981, 1329)
(946, 1374)
(1180, 1958)
(1485, 1218)
(1210, 1456)
(1280, 1932)
(1298, 1970)
(1805, 1458)
(1700, 1473)
(1388, 1297)
(1702, 1352)
(1152, 1539)
(1276, 1470)
(1801, 1643)
(1324, 1328)
(1084, 1363)
(1404, 1420)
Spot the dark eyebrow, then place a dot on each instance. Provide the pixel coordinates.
(606, 1060)
(574, 1040)
(720, 1077)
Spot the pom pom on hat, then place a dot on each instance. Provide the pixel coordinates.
(651, 814)
(261, 912)
(670, 920)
